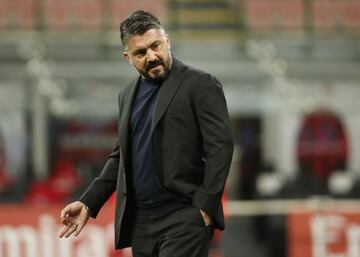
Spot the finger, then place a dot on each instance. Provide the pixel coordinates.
(64, 230)
(79, 228)
(65, 212)
(70, 231)
(65, 220)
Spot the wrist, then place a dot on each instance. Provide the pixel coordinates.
(206, 218)
(86, 208)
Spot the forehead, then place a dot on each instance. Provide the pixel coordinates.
(141, 41)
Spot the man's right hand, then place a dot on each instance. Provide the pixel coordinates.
(74, 217)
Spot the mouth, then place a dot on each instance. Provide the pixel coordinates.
(155, 68)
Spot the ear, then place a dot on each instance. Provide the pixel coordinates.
(168, 41)
(127, 57)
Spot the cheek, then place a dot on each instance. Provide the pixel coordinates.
(138, 64)
(166, 54)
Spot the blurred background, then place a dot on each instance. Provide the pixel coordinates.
(291, 75)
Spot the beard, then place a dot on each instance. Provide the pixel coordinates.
(160, 73)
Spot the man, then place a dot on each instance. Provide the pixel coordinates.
(172, 156)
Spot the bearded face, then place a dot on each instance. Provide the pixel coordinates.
(150, 54)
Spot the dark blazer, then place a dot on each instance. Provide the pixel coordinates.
(192, 148)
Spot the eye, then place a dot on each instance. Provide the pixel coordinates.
(140, 53)
(156, 45)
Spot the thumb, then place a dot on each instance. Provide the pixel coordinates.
(66, 212)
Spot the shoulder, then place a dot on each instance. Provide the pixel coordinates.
(124, 92)
(187, 70)
(202, 84)
(199, 76)
(203, 78)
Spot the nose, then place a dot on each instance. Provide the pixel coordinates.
(151, 56)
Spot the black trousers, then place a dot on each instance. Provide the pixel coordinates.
(181, 233)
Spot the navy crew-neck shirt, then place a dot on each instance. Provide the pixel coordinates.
(148, 192)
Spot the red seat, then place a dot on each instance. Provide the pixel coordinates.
(333, 15)
(17, 14)
(270, 15)
(58, 188)
(82, 15)
(121, 9)
(42, 194)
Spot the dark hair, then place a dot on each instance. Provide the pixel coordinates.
(137, 24)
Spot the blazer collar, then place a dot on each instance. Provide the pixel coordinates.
(168, 89)
(125, 114)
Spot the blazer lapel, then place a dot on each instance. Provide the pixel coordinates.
(168, 90)
(125, 117)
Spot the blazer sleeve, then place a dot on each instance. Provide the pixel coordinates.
(213, 118)
(102, 187)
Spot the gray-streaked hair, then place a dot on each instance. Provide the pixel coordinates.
(137, 24)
